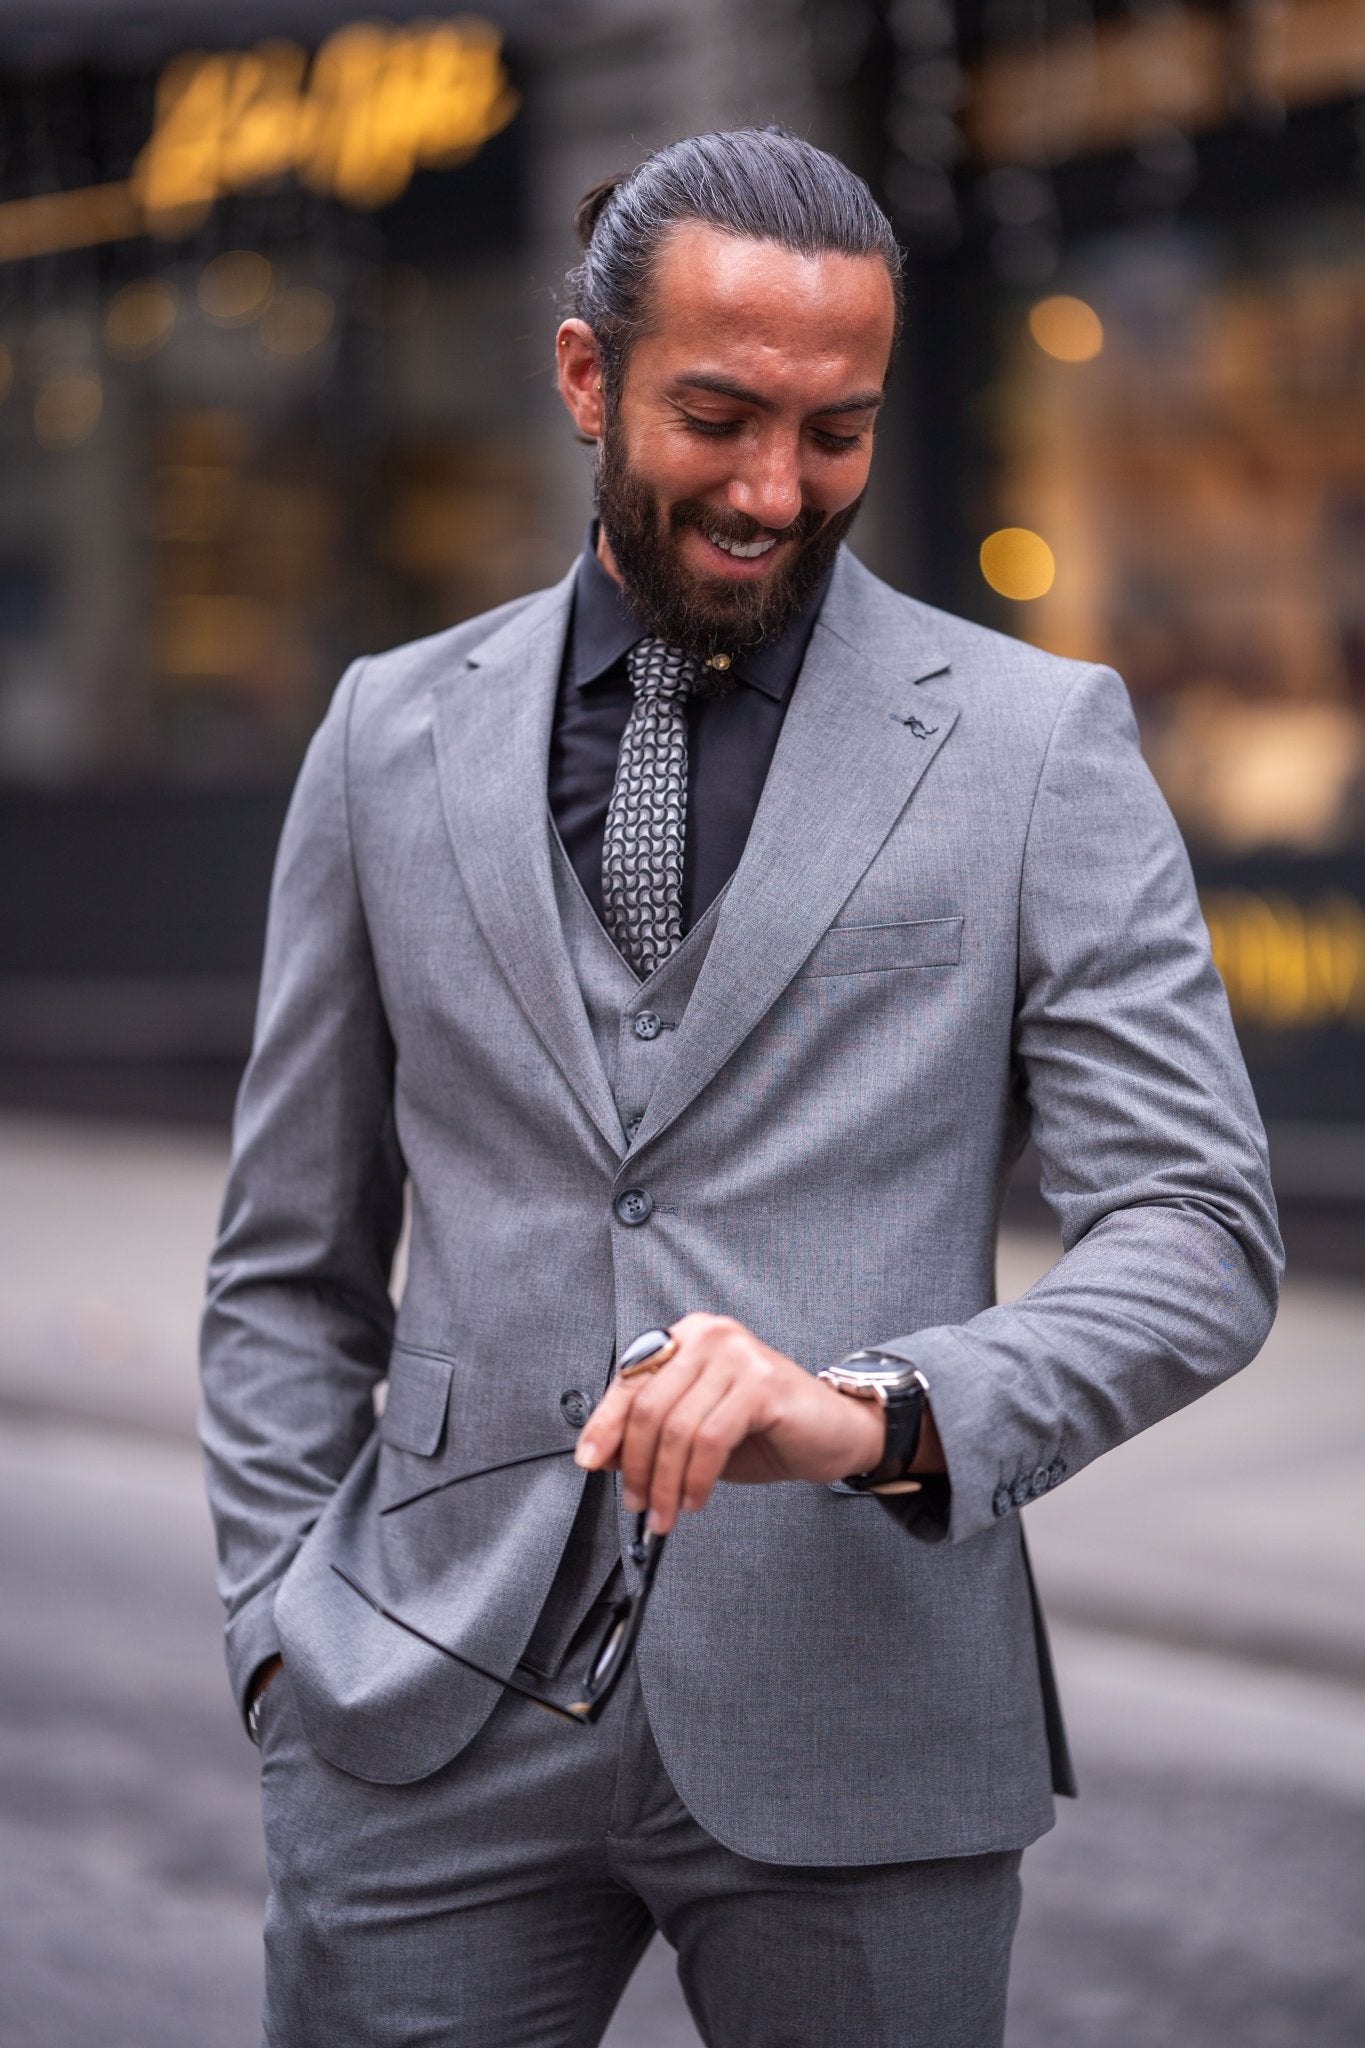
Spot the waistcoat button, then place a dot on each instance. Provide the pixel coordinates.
(634, 1206)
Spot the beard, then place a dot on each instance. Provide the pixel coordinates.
(706, 615)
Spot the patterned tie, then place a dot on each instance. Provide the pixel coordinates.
(642, 848)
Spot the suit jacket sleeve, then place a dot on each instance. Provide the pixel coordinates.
(298, 1318)
(1153, 1156)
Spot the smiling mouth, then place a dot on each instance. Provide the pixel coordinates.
(742, 550)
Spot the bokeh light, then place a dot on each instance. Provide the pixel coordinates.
(67, 409)
(236, 287)
(139, 319)
(1066, 328)
(297, 321)
(1017, 562)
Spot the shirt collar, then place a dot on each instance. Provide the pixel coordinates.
(604, 629)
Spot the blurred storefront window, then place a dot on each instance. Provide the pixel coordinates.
(1179, 425)
(1199, 474)
(263, 369)
(219, 445)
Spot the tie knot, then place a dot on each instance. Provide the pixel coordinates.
(660, 671)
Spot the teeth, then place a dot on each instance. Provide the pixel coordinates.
(745, 550)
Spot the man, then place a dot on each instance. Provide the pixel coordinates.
(697, 942)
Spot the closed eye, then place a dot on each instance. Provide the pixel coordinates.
(714, 427)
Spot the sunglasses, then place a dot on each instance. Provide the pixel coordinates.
(613, 1651)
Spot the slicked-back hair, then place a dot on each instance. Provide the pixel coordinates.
(763, 183)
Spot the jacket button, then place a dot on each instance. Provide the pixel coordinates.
(1056, 1472)
(575, 1406)
(1020, 1492)
(634, 1206)
(1040, 1481)
(648, 1024)
(1000, 1500)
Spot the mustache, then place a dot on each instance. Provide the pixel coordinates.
(738, 527)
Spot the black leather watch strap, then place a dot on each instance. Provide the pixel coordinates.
(904, 1410)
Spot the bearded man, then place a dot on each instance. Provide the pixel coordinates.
(696, 943)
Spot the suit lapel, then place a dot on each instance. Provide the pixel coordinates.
(492, 736)
(854, 744)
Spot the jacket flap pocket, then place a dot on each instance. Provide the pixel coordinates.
(419, 1395)
(877, 948)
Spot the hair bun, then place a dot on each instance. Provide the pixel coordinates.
(592, 205)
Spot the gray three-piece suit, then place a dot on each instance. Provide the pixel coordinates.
(963, 915)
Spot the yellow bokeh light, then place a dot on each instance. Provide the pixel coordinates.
(299, 320)
(6, 371)
(139, 319)
(236, 287)
(1017, 563)
(1066, 328)
(68, 408)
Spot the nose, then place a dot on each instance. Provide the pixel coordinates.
(768, 487)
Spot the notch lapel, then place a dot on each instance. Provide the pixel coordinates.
(855, 742)
(491, 730)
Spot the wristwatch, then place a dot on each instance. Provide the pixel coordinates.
(902, 1390)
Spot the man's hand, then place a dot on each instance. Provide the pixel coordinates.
(728, 1406)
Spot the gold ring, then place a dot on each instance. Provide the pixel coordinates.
(652, 1363)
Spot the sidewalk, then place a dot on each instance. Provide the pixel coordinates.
(1237, 1525)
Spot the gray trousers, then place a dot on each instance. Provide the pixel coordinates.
(504, 1901)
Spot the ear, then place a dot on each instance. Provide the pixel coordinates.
(578, 364)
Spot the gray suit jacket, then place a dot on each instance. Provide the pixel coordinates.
(963, 914)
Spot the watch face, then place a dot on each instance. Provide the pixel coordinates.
(892, 1377)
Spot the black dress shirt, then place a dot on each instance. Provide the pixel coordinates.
(730, 743)
(730, 739)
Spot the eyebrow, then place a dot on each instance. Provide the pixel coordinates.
(725, 387)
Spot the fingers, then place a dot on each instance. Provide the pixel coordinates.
(713, 1442)
(662, 1437)
(650, 1413)
(654, 1427)
(599, 1441)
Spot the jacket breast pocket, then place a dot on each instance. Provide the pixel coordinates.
(882, 948)
(418, 1402)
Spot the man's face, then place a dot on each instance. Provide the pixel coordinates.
(735, 458)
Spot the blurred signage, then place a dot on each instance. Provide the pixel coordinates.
(1288, 938)
(1098, 85)
(1289, 965)
(375, 104)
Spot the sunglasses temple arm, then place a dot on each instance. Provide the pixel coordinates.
(527, 1692)
(483, 1472)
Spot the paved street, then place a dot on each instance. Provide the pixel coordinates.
(1207, 1891)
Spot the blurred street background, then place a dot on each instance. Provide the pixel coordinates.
(277, 291)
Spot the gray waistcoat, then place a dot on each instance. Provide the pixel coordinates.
(632, 1023)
